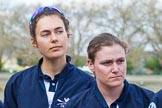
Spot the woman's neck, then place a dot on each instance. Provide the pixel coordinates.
(111, 94)
(53, 67)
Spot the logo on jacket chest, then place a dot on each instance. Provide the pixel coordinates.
(63, 102)
(152, 105)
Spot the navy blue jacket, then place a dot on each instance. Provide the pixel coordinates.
(26, 89)
(156, 100)
(132, 96)
(1, 104)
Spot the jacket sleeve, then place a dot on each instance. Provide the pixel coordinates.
(11, 93)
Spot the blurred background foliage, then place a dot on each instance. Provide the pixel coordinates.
(136, 22)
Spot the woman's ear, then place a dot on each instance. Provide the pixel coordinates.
(90, 65)
(69, 34)
(34, 43)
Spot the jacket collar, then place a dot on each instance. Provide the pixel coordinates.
(120, 101)
(67, 69)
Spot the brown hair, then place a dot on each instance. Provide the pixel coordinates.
(103, 39)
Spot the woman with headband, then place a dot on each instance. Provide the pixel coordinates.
(54, 80)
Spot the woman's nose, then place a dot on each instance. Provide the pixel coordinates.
(115, 68)
(53, 37)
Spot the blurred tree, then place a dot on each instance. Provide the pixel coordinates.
(20, 29)
(153, 64)
(130, 66)
(82, 27)
(5, 44)
(128, 20)
(14, 33)
(136, 22)
(124, 20)
(153, 30)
